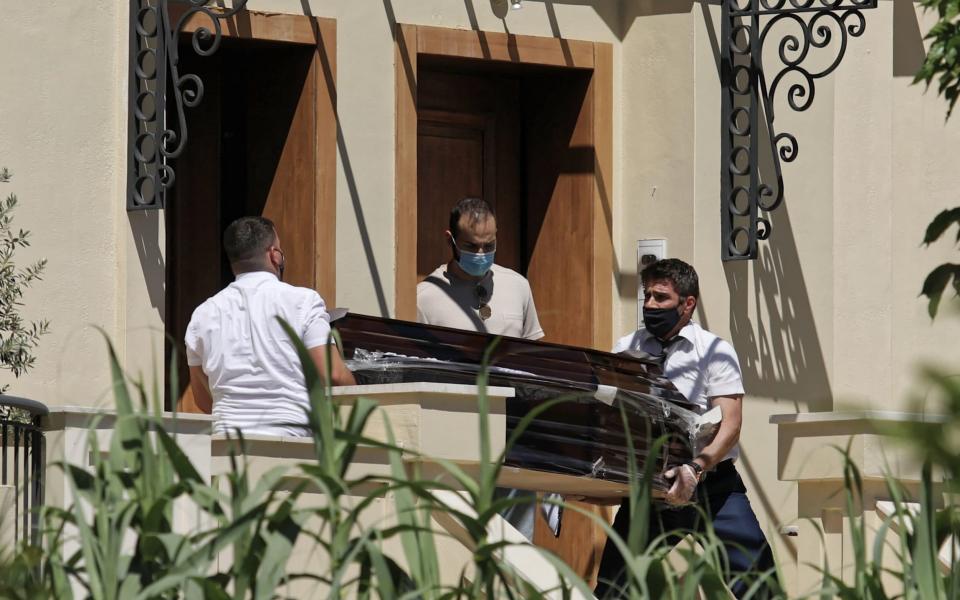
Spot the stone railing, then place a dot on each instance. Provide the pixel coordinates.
(431, 420)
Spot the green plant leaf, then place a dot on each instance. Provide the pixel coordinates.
(359, 415)
(280, 537)
(940, 223)
(936, 282)
(322, 416)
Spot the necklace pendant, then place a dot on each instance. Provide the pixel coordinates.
(485, 312)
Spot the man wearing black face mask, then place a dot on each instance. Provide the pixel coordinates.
(705, 369)
(243, 367)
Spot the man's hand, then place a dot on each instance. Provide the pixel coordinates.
(684, 484)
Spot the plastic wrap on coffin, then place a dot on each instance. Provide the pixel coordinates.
(582, 434)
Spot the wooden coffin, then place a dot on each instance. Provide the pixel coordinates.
(582, 433)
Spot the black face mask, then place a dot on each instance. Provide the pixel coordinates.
(660, 321)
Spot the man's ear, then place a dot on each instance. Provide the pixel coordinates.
(689, 303)
(451, 241)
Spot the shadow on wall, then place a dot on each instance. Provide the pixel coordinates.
(780, 354)
(349, 175)
(145, 228)
(908, 50)
(635, 9)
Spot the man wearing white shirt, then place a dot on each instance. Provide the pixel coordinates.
(705, 369)
(243, 367)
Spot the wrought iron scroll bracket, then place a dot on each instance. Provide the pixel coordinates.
(810, 38)
(160, 94)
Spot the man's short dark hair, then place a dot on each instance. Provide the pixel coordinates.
(475, 209)
(247, 238)
(680, 274)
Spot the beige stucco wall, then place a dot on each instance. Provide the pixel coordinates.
(828, 317)
(365, 96)
(829, 314)
(63, 110)
(62, 134)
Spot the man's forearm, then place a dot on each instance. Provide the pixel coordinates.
(728, 434)
(339, 373)
(201, 390)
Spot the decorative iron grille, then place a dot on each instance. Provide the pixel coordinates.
(750, 92)
(160, 93)
(22, 463)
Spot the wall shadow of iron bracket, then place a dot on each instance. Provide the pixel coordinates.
(806, 29)
(156, 127)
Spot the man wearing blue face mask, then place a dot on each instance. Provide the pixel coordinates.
(471, 291)
(705, 369)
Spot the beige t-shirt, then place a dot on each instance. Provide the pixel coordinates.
(446, 300)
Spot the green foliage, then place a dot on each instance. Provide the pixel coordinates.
(938, 279)
(917, 573)
(20, 576)
(17, 338)
(920, 532)
(118, 541)
(942, 62)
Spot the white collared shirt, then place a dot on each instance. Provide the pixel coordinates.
(700, 365)
(251, 365)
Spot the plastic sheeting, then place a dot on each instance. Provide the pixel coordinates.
(583, 434)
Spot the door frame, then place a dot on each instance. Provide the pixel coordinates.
(321, 33)
(414, 40)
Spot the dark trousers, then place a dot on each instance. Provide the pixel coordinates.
(723, 498)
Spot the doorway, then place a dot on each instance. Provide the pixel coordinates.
(261, 142)
(524, 123)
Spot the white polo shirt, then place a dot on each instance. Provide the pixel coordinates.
(700, 364)
(252, 367)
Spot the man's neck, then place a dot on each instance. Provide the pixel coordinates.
(237, 275)
(674, 335)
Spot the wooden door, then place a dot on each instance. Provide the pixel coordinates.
(558, 204)
(453, 149)
(523, 143)
(468, 142)
(561, 104)
(253, 150)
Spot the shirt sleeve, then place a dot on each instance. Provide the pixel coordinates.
(193, 343)
(421, 316)
(723, 371)
(531, 323)
(623, 344)
(316, 321)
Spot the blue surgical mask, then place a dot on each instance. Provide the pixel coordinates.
(476, 264)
